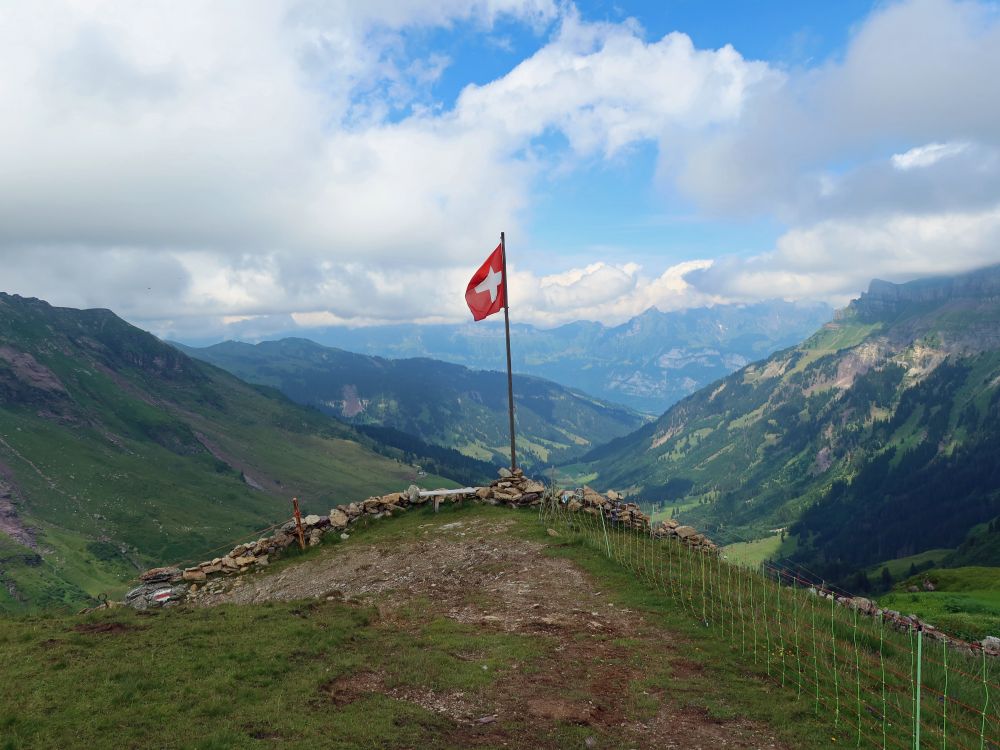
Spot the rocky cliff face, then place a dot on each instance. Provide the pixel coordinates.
(885, 298)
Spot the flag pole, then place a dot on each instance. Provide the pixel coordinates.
(506, 325)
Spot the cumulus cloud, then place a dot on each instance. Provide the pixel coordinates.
(268, 164)
(921, 74)
(264, 159)
(836, 259)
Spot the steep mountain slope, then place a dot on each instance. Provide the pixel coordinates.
(648, 363)
(118, 451)
(439, 402)
(876, 437)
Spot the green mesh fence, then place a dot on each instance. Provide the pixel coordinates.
(881, 684)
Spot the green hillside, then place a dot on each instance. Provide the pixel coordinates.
(439, 402)
(875, 439)
(118, 452)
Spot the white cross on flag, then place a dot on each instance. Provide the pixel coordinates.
(487, 291)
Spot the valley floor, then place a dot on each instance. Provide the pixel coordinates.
(470, 628)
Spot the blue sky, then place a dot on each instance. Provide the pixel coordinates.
(246, 167)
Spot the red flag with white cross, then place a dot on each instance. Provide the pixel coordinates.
(487, 291)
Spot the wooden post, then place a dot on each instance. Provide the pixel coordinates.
(510, 376)
(298, 522)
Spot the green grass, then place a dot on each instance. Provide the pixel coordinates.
(249, 676)
(755, 552)
(965, 602)
(900, 567)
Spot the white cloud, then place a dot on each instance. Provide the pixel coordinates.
(605, 88)
(279, 162)
(927, 155)
(836, 259)
(914, 73)
(221, 160)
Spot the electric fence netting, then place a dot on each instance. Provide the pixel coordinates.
(878, 683)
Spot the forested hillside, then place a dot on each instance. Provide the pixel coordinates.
(438, 402)
(873, 440)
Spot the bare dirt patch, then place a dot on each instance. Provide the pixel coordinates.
(472, 572)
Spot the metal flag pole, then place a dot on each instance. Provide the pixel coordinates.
(510, 376)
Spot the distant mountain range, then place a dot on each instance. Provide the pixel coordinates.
(648, 363)
(118, 452)
(875, 439)
(439, 402)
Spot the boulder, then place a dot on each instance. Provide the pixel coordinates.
(156, 575)
(194, 574)
(413, 493)
(338, 519)
(311, 520)
(684, 532)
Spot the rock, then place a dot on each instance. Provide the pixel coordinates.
(612, 495)
(912, 589)
(532, 486)
(991, 643)
(229, 562)
(263, 561)
(315, 537)
(345, 537)
(413, 493)
(243, 560)
(684, 532)
(311, 520)
(552, 532)
(160, 574)
(393, 498)
(210, 569)
(929, 585)
(483, 492)
(194, 574)
(338, 519)
(505, 473)
(574, 505)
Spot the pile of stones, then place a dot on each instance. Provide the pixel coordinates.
(628, 515)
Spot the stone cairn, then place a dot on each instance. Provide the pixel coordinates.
(168, 586)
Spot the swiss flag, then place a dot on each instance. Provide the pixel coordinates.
(487, 291)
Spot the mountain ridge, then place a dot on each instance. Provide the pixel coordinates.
(905, 378)
(118, 451)
(442, 403)
(646, 363)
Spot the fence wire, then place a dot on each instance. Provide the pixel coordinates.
(878, 686)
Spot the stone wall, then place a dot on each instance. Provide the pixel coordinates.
(168, 586)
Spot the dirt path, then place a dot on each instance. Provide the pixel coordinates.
(473, 572)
